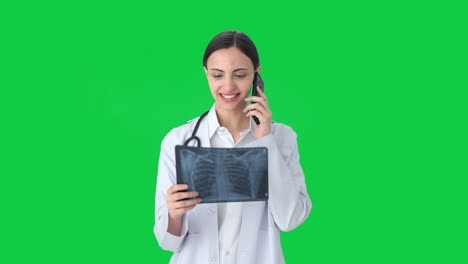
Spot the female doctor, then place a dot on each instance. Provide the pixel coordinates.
(235, 232)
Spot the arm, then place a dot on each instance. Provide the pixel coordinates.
(169, 233)
(288, 201)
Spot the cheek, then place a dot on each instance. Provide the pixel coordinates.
(245, 85)
(213, 86)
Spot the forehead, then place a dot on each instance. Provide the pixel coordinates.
(229, 58)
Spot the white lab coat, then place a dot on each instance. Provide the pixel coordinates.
(259, 240)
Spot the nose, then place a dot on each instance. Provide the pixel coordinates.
(230, 83)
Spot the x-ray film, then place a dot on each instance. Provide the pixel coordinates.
(224, 174)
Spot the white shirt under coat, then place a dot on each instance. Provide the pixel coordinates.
(229, 214)
(241, 232)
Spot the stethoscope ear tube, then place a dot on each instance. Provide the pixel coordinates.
(194, 133)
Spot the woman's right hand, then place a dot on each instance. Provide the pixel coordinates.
(175, 206)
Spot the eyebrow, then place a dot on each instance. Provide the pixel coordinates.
(238, 69)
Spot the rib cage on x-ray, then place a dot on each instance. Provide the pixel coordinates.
(224, 174)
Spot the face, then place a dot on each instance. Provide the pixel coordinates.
(230, 74)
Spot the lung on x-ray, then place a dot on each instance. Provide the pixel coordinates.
(224, 174)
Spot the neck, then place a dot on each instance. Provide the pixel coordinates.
(234, 120)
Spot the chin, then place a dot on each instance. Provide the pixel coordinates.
(231, 106)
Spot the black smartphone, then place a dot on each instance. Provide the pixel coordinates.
(257, 81)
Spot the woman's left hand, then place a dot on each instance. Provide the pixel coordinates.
(261, 111)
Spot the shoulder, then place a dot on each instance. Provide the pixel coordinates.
(177, 135)
(282, 129)
(284, 134)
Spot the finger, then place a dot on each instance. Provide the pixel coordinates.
(183, 195)
(181, 211)
(260, 92)
(259, 107)
(176, 188)
(261, 103)
(258, 114)
(186, 203)
(256, 99)
(262, 111)
(251, 107)
(174, 197)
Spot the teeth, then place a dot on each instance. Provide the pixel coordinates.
(228, 96)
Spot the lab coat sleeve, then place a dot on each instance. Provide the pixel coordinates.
(288, 200)
(165, 179)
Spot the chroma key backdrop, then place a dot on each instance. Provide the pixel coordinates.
(375, 90)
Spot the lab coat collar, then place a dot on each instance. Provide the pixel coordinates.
(203, 132)
(213, 123)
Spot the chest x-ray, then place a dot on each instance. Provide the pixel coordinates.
(224, 174)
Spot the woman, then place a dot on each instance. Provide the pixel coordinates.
(236, 232)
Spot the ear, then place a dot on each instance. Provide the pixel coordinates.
(259, 69)
(206, 70)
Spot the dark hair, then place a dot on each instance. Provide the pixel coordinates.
(233, 38)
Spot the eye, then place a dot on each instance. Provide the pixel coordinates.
(240, 75)
(217, 76)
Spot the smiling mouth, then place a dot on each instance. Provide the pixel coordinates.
(229, 96)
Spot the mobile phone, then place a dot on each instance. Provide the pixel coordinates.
(257, 81)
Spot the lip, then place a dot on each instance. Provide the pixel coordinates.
(229, 100)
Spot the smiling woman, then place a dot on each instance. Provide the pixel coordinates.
(230, 73)
(233, 232)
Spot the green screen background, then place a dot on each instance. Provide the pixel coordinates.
(375, 90)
